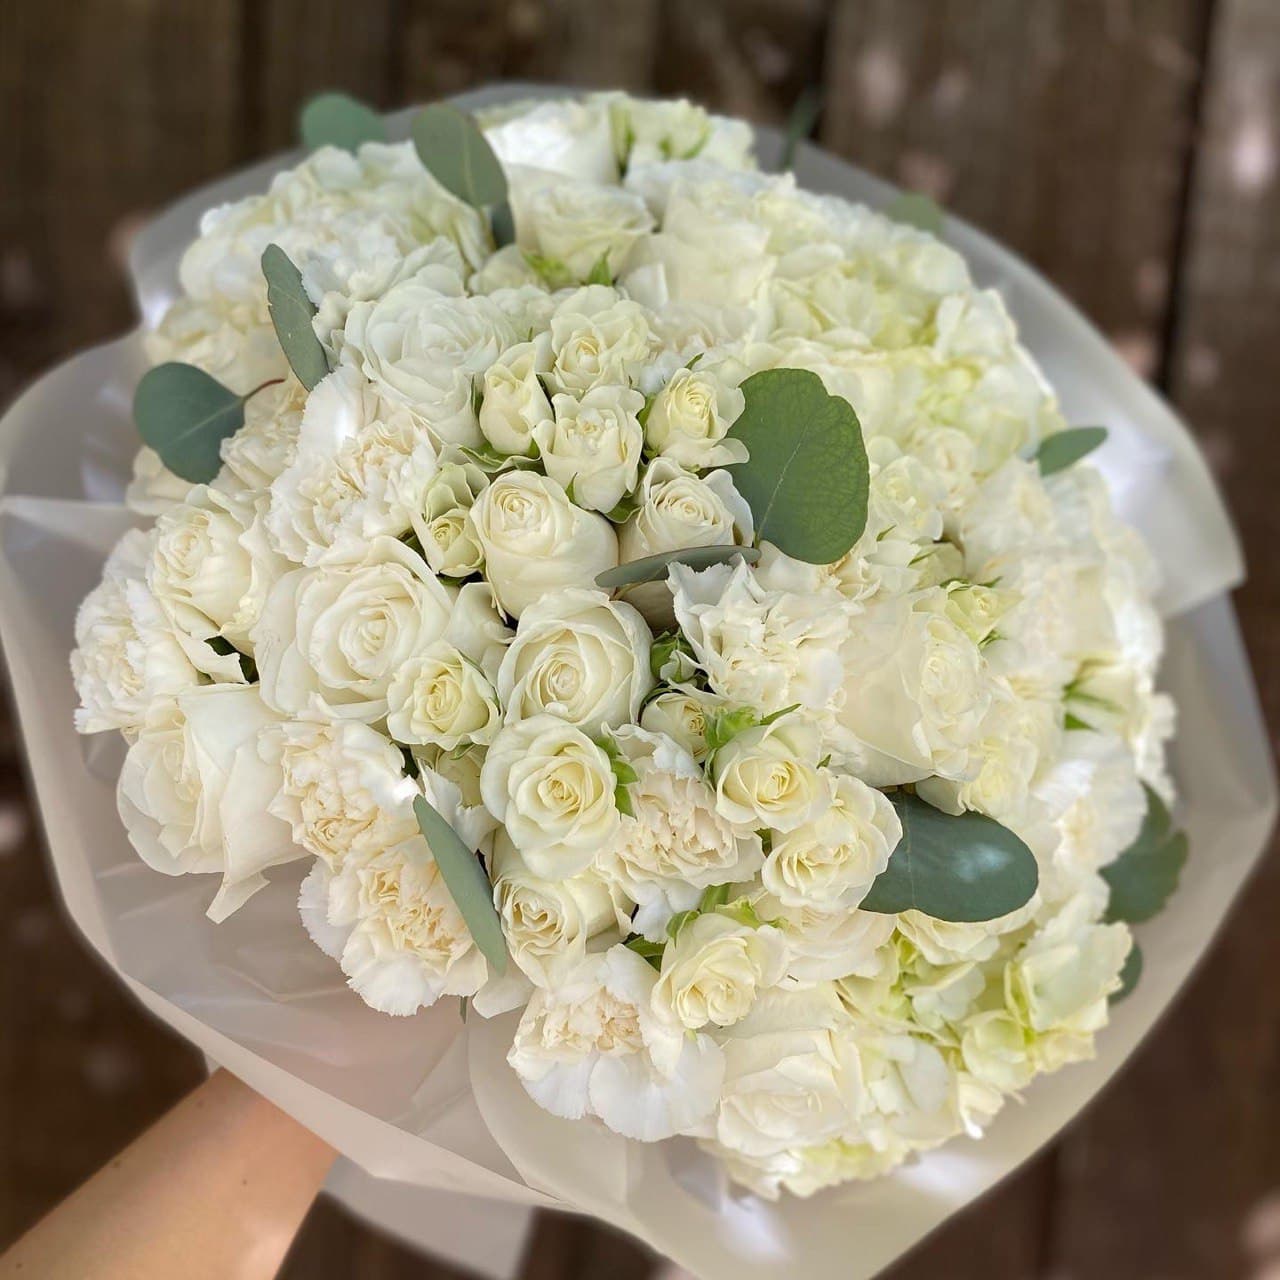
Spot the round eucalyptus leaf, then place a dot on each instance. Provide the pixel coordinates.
(959, 867)
(1130, 974)
(339, 120)
(1065, 448)
(291, 314)
(185, 414)
(451, 145)
(654, 568)
(806, 480)
(1144, 876)
(466, 881)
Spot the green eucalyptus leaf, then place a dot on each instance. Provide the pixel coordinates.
(451, 145)
(1065, 448)
(1144, 876)
(654, 568)
(806, 480)
(466, 881)
(291, 315)
(339, 120)
(1130, 974)
(184, 414)
(917, 210)
(502, 223)
(962, 867)
(800, 125)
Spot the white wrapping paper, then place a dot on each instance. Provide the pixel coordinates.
(441, 1144)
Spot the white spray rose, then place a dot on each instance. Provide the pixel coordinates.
(194, 791)
(593, 444)
(715, 968)
(593, 1046)
(443, 522)
(548, 924)
(441, 697)
(680, 715)
(680, 509)
(832, 861)
(535, 540)
(690, 419)
(553, 790)
(331, 639)
(827, 945)
(599, 338)
(580, 656)
(514, 404)
(769, 776)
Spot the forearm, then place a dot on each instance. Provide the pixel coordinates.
(217, 1188)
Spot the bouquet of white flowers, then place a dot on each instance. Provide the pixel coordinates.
(653, 597)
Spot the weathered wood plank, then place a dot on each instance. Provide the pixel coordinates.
(106, 114)
(1060, 126)
(302, 47)
(751, 58)
(1174, 1173)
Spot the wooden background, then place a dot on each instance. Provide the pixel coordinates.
(1129, 148)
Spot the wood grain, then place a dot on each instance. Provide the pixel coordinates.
(1176, 1172)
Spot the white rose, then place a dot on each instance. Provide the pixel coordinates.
(359, 469)
(553, 790)
(769, 776)
(331, 639)
(674, 843)
(535, 540)
(514, 404)
(690, 418)
(569, 137)
(648, 131)
(598, 338)
(548, 923)
(791, 1077)
(340, 787)
(832, 861)
(593, 1046)
(440, 696)
(211, 567)
(680, 509)
(915, 695)
(389, 919)
(425, 349)
(593, 445)
(715, 967)
(443, 523)
(580, 656)
(194, 791)
(681, 716)
(573, 226)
